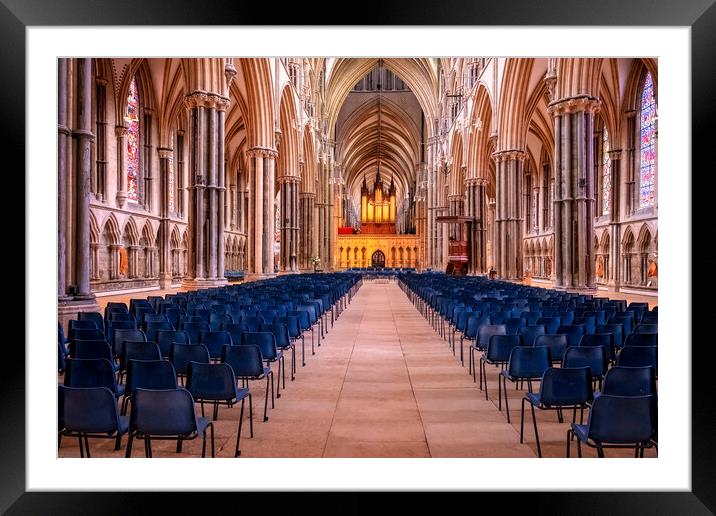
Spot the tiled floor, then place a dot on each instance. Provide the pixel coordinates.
(381, 384)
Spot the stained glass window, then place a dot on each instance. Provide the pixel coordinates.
(606, 174)
(132, 121)
(648, 147)
(172, 187)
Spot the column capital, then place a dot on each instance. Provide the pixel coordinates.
(306, 195)
(615, 154)
(289, 179)
(585, 103)
(63, 129)
(83, 133)
(102, 81)
(207, 100)
(262, 152)
(509, 155)
(120, 131)
(165, 152)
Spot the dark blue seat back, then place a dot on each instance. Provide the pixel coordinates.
(630, 381)
(499, 347)
(93, 372)
(488, 330)
(252, 322)
(557, 343)
(529, 361)
(594, 357)
(121, 335)
(530, 333)
(280, 333)
(642, 339)
(603, 340)
(215, 341)
(622, 419)
(646, 328)
(615, 329)
(573, 332)
(150, 374)
(166, 337)
(264, 340)
(213, 382)
(89, 410)
(193, 329)
(550, 324)
(163, 412)
(181, 354)
(566, 386)
(246, 360)
(639, 356)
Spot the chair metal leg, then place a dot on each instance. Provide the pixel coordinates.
(500, 379)
(534, 422)
(507, 403)
(118, 442)
(238, 435)
(216, 410)
(273, 405)
(87, 448)
(148, 447)
(82, 447)
(579, 448)
(251, 415)
(569, 441)
(303, 351)
(180, 442)
(293, 363)
(522, 420)
(282, 364)
(266, 399)
(600, 452)
(130, 439)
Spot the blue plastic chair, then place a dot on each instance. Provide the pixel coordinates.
(165, 338)
(91, 412)
(215, 342)
(525, 363)
(216, 383)
(594, 357)
(603, 340)
(166, 414)
(617, 422)
(499, 349)
(247, 363)
(181, 354)
(639, 356)
(557, 343)
(560, 388)
(630, 381)
(91, 372)
(530, 333)
(148, 374)
(267, 344)
(642, 339)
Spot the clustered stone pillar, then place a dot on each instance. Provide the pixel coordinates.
(121, 132)
(75, 181)
(574, 192)
(508, 217)
(206, 161)
(289, 222)
(307, 202)
(165, 274)
(614, 225)
(63, 132)
(476, 209)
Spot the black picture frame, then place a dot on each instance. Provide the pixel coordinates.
(700, 15)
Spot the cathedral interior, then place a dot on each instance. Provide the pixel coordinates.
(375, 179)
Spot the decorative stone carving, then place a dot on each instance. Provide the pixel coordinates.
(574, 105)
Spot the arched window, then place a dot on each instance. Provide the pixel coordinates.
(132, 120)
(606, 174)
(648, 147)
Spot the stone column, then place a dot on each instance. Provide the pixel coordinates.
(574, 192)
(308, 240)
(165, 274)
(269, 162)
(84, 136)
(615, 236)
(492, 232)
(289, 222)
(508, 217)
(206, 246)
(121, 132)
(63, 132)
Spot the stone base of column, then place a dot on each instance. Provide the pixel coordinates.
(197, 283)
(69, 308)
(253, 276)
(165, 281)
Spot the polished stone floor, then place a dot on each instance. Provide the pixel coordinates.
(381, 384)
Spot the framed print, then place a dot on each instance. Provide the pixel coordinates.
(411, 171)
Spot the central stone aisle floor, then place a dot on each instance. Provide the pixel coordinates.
(403, 393)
